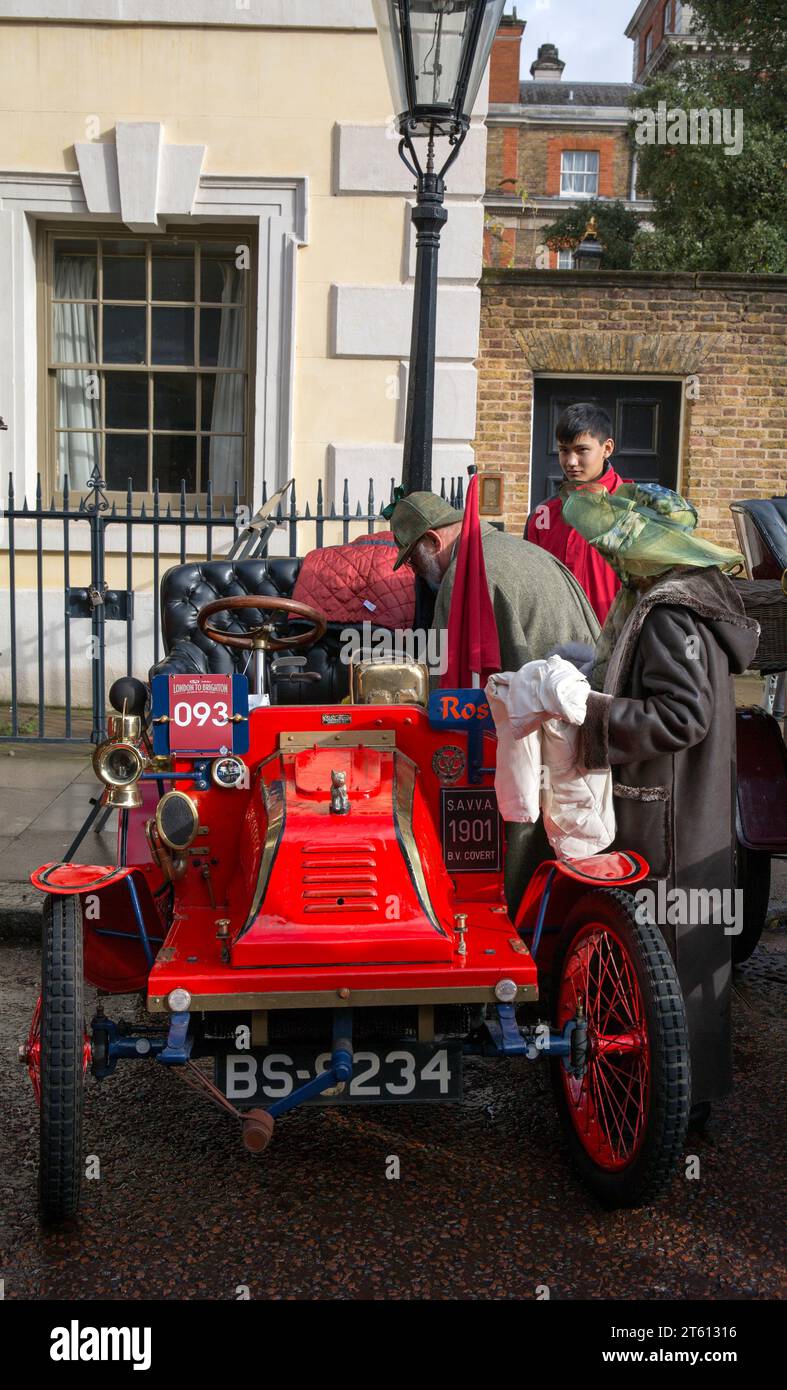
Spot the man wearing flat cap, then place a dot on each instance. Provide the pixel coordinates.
(537, 603)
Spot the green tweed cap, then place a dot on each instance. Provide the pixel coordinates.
(416, 514)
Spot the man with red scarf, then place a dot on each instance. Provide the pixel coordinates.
(584, 445)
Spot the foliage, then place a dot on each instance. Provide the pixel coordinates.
(715, 210)
(617, 228)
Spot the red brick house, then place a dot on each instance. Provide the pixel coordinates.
(662, 32)
(551, 143)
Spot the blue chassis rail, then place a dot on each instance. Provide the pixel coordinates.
(505, 1039)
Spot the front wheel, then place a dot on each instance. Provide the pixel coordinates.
(626, 1114)
(63, 1052)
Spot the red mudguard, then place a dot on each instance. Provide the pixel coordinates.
(616, 869)
(114, 958)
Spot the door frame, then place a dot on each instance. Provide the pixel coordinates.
(608, 376)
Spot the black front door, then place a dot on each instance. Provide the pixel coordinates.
(645, 419)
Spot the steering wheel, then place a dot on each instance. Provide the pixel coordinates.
(264, 635)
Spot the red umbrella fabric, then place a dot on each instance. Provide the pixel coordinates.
(473, 645)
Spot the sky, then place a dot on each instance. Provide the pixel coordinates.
(589, 35)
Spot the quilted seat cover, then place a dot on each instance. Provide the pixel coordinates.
(356, 583)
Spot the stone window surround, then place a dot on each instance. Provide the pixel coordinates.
(278, 207)
(564, 172)
(602, 145)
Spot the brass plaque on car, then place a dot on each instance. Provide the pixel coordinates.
(343, 738)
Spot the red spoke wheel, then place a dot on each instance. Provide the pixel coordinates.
(63, 1054)
(626, 1114)
(31, 1051)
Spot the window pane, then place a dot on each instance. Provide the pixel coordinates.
(127, 457)
(124, 334)
(638, 426)
(174, 402)
(173, 272)
(77, 456)
(222, 337)
(78, 400)
(222, 462)
(74, 333)
(222, 280)
(127, 400)
(208, 390)
(75, 269)
(124, 276)
(224, 403)
(174, 459)
(173, 337)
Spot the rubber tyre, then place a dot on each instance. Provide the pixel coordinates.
(62, 1059)
(645, 1177)
(753, 877)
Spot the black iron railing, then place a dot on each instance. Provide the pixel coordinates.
(44, 720)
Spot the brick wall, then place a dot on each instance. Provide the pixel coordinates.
(528, 158)
(654, 19)
(721, 334)
(504, 63)
(571, 140)
(531, 156)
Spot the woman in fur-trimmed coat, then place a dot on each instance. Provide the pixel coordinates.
(664, 722)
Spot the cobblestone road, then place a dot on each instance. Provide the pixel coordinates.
(485, 1207)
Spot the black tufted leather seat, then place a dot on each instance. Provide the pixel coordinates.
(185, 589)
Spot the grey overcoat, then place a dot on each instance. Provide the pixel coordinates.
(665, 724)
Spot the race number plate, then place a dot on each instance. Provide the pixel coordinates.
(390, 1075)
(200, 714)
(470, 828)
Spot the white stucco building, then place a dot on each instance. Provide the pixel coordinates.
(206, 269)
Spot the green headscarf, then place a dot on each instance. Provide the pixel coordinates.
(642, 530)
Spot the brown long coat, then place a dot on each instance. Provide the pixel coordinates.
(665, 724)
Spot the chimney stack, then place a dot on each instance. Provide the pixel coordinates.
(547, 66)
(504, 62)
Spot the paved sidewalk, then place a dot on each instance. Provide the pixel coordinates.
(45, 793)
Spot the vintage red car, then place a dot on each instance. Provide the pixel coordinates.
(312, 895)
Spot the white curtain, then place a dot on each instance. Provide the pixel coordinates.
(78, 406)
(226, 455)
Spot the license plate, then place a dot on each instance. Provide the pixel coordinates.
(385, 1076)
(470, 830)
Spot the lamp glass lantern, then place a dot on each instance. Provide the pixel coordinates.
(589, 253)
(435, 53)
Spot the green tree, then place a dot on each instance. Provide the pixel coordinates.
(758, 28)
(617, 228)
(716, 210)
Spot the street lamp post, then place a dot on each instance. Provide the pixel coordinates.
(590, 252)
(435, 54)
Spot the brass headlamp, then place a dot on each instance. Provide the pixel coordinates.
(119, 764)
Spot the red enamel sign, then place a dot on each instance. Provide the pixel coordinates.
(200, 710)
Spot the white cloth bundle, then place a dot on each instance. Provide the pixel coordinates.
(538, 712)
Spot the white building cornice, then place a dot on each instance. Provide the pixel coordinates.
(559, 115)
(506, 206)
(224, 14)
(631, 28)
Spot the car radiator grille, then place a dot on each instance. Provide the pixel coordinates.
(337, 881)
